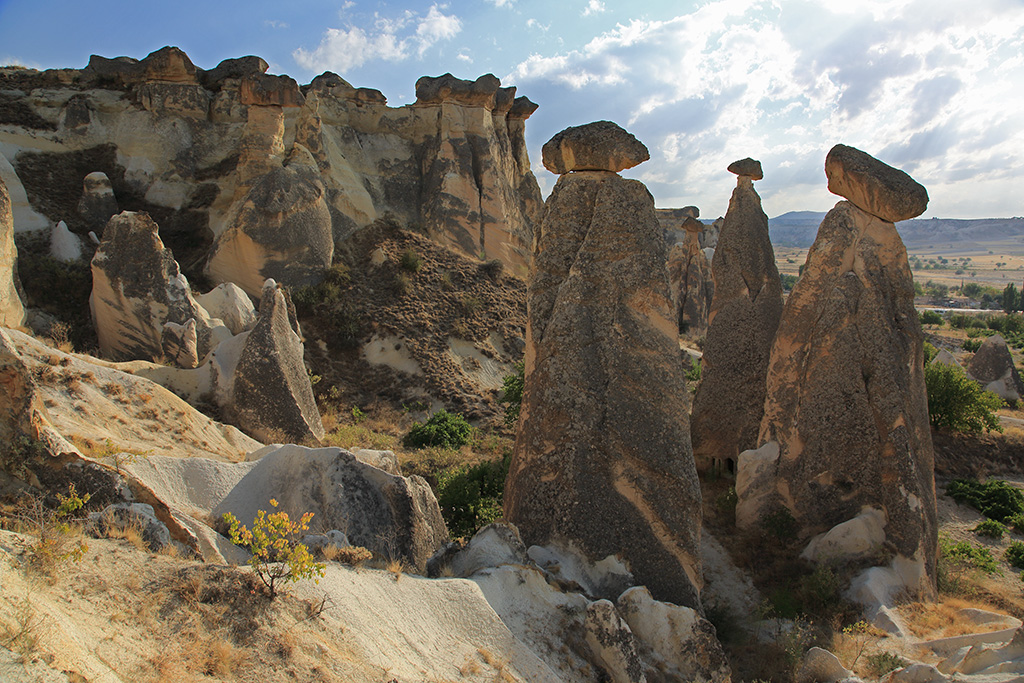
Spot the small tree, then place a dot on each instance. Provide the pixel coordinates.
(276, 554)
(1011, 298)
(512, 393)
(444, 429)
(957, 402)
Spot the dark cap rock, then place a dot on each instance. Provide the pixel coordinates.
(598, 146)
(748, 167)
(266, 90)
(522, 108)
(483, 92)
(691, 224)
(874, 186)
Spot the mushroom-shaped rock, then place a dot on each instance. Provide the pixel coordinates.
(522, 108)
(874, 186)
(447, 88)
(598, 146)
(12, 311)
(750, 168)
(693, 225)
(98, 203)
(239, 67)
(271, 397)
(270, 91)
(602, 459)
(992, 367)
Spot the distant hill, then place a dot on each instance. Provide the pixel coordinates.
(798, 229)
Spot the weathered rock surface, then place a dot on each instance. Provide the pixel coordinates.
(856, 539)
(612, 644)
(271, 397)
(598, 146)
(229, 303)
(744, 315)
(155, 533)
(673, 222)
(137, 287)
(690, 281)
(846, 416)
(602, 457)
(750, 168)
(821, 666)
(12, 311)
(97, 204)
(493, 546)
(873, 186)
(65, 245)
(992, 367)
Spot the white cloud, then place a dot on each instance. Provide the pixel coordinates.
(390, 39)
(272, 23)
(593, 7)
(533, 23)
(502, 3)
(464, 57)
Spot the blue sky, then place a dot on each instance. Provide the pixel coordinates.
(935, 87)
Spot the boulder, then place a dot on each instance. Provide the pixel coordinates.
(992, 367)
(602, 457)
(97, 204)
(683, 643)
(136, 288)
(180, 343)
(846, 404)
(856, 539)
(229, 303)
(264, 90)
(12, 311)
(598, 146)
(271, 397)
(65, 246)
(168, 64)
(282, 230)
(944, 357)
(138, 516)
(612, 644)
(397, 517)
(821, 666)
(742, 320)
(873, 186)
(750, 168)
(493, 546)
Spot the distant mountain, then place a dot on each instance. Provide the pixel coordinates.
(798, 229)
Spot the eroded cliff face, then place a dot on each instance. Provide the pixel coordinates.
(188, 145)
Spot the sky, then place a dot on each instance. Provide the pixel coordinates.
(933, 87)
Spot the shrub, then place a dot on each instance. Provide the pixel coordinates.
(492, 268)
(959, 321)
(1015, 555)
(779, 523)
(448, 430)
(929, 353)
(995, 499)
(957, 402)
(353, 555)
(471, 497)
(990, 528)
(694, 371)
(968, 555)
(788, 281)
(971, 345)
(882, 663)
(401, 285)
(471, 304)
(512, 393)
(1016, 521)
(58, 530)
(931, 318)
(277, 557)
(411, 261)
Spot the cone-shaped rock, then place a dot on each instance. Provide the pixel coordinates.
(602, 459)
(12, 311)
(992, 367)
(690, 281)
(846, 417)
(272, 398)
(744, 315)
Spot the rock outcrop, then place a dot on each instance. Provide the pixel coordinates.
(136, 288)
(12, 311)
(846, 415)
(97, 204)
(744, 315)
(598, 146)
(271, 396)
(229, 303)
(690, 281)
(992, 367)
(602, 457)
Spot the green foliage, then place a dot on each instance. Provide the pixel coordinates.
(327, 302)
(956, 402)
(882, 663)
(1015, 555)
(471, 496)
(277, 557)
(929, 353)
(959, 321)
(779, 523)
(1011, 298)
(788, 281)
(57, 529)
(990, 528)
(822, 588)
(694, 372)
(444, 429)
(411, 261)
(995, 499)
(512, 393)
(401, 285)
(966, 555)
(971, 345)
(931, 318)
(1015, 521)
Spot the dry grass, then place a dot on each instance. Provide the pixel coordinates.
(352, 555)
(943, 619)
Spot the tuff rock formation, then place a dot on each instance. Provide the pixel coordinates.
(744, 315)
(690, 281)
(188, 145)
(873, 186)
(846, 415)
(602, 458)
(992, 367)
(97, 204)
(598, 146)
(271, 397)
(136, 288)
(12, 311)
(229, 303)
(65, 245)
(672, 221)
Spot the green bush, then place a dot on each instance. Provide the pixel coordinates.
(971, 345)
(956, 402)
(882, 663)
(444, 429)
(471, 497)
(931, 318)
(990, 528)
(411, 261)
(959, 321)
(968, 555)
(512, 393)
(1015, 521)
(995, 499)
(1015, 555)
(779, 523)
(929, 353)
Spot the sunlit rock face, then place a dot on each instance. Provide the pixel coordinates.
(12, 311)
(602, 459)
(846, 414)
